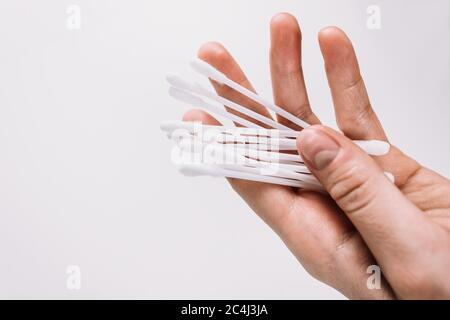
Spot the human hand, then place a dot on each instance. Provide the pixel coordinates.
(365, 219)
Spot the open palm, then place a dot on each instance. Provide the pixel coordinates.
(312, 225)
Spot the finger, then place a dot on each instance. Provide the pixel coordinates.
(354, 114)
(385, 218)
(288, 83)
(217, 56)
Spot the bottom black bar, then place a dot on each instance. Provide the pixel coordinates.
(227, 309)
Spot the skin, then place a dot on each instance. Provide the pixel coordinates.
(365, 220)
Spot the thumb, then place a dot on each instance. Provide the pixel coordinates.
(383, 216)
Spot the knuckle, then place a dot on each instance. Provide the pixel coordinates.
(355, 83)
(351, 189)
(358, 122)
(303, 111)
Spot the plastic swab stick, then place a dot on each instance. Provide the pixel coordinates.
(286, 166)
(189, 98)
(231, 153)
(277, 169)
(169, 126)
(264, 155)
(272, 145)
(292, 161)
(209, 71)
(202, 169)
(237, 139)
(280, 173)
(244, 164)
(267, 155)
(178, 82)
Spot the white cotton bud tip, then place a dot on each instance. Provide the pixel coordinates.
(374, 147)
(207, 70)
(184, 96)
(178, 82)
(194, 170)
(390, 176)
(165, 126)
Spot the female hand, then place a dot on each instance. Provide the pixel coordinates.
(366, 219)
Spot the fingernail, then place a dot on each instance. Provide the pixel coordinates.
(317, 147)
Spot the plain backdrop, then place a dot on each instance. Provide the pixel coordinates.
(85, 173)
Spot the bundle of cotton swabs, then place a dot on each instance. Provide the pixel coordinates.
(249, 152)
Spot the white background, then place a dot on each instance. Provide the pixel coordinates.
(85, 173)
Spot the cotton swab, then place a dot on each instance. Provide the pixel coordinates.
(240, 162)
(265, 144)
(187, 97)
(280, 173)
(297, 167)
(253, 153)
(209, 71)
(225, 153)
(371, 147)
(248, 139)
(269, 155)
(283, 171)
(170, 125)
(178, 82)
(193, 170)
